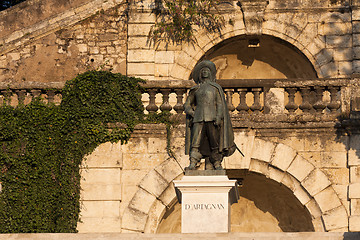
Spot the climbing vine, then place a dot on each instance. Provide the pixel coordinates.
(42, 147)
(177, 21)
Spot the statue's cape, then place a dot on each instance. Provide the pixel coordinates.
(227, 146)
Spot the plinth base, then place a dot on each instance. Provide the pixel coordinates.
(205, 202)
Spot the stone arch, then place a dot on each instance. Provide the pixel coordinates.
(299, 33)
(309, 185)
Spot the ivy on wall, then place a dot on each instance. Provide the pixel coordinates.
(42, 147)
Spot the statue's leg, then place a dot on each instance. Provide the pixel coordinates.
(213, 134)
(195, 155)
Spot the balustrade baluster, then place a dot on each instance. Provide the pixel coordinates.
(7, 96)
(165, 106)
(242, 107)
(229, 94)
(305, 106)
(152, 106)
(21, 96)
(256, 107)
(35, 93)
(319, 106)
(334, 105)
(291, 106)
(179, 107)
(50, 95)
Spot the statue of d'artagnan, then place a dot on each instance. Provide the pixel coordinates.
(209, 132)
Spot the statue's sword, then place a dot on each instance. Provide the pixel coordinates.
(239, 151)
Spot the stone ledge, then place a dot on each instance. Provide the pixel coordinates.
(243, 236)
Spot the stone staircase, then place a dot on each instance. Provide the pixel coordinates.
(217, 236)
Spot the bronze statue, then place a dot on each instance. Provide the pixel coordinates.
(209, 132)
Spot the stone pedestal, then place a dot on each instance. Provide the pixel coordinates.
(205, 201)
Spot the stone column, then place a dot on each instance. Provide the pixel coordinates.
(205, 201)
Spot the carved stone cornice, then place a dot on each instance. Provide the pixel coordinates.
(253, 12)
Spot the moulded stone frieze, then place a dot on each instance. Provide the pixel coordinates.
(133, 220)
(315, 182)
(266, 152)
(327, 199)
(335, 219)
(253, 12)
(300, 168)
(142, 201)
(313, 208)
(169, 169)
(283, 156)
(154, 183)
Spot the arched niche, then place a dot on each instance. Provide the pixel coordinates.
(263, 57)
(264, 206)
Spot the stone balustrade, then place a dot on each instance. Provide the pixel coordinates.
(243, 96)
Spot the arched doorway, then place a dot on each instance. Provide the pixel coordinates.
(264, 57)
(264, 206)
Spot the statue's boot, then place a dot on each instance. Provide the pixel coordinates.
(208, 164)
(216, 159)
(193, 164)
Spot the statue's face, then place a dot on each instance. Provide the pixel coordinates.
(205, 73)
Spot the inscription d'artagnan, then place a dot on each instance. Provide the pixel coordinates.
(204, 206)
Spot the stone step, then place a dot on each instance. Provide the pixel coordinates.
(189, 236)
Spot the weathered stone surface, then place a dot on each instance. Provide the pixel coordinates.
(259, 167)
(313, 208)
(300, 168)
(354, 190)
(133, 220)
(335, 218)
(142, 161)
(283, 156)
(354, 223)
(355, 174)
(105, 155)
(266, 152)
(169, 169)
(155, 215)
(141, 55)
(327, 199)
(315, 182)
(154, 183)
(142, 201)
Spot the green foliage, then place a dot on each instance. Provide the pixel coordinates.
(42, 147)
(177, 20)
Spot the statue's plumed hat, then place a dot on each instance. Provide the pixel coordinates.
(202, 64)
